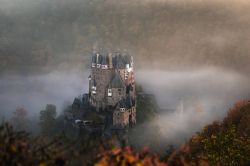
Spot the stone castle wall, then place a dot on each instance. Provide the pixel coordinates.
(102, 78)
(100, 99)
(117, 94)
(121, 118)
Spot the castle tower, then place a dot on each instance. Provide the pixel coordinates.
(104, 62)
(112, 86)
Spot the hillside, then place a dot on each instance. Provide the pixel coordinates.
(221, 143)
(225, 143)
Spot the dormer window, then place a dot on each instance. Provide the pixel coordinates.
(109, 92)
(122, 109)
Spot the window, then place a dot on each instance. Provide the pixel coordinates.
(109, 92)
(94, 90)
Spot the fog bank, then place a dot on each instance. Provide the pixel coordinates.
(189, 101)
(35, 91)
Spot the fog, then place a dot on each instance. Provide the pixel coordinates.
(192, 52)
(35, 91)
(162, 34)
(196, 97)
(211, 86)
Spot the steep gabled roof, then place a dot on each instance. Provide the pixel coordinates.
(125, 102)
(117, 82)
(94, 58)
(127, 58)
(120, 62)
(104, 60)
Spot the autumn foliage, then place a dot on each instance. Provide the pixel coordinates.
(223, 143)
(128, 156)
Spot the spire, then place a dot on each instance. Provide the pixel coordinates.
(93, 64)
(117, 81)
(114, 61)
(104, 62)
(120, 64)
(126, 57)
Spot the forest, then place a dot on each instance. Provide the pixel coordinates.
(225, 142)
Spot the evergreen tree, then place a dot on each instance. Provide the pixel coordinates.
(47, 119)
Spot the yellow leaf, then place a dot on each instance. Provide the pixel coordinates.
(42, 164)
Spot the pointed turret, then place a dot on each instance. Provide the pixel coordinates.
(117, 81)
(120, 62)
(104, 62)
(93, 64)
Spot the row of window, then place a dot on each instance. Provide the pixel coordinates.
(99, 66)
(109, 91)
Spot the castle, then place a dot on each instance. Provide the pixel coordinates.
(112, 87)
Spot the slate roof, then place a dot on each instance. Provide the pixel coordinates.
(117, 81)
(94, 58)
(126, 58)
(104, 60)
(119, 60)
(126, 102)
